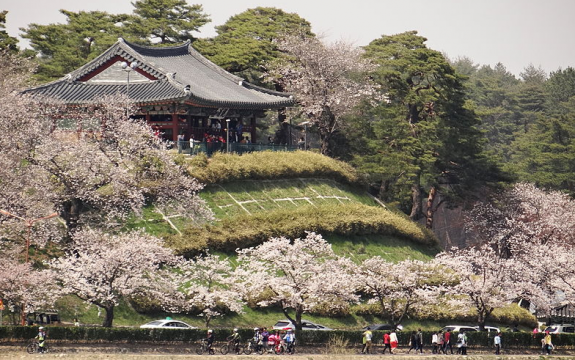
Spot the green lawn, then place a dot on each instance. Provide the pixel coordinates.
(252, 196)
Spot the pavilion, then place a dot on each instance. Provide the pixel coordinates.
(176, 89)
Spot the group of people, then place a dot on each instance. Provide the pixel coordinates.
(441, 342)
(262, 338)
(269, 340)
(416, 341)
(390, 341)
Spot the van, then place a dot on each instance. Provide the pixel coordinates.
(561, 329)
(490, 329)
(43, 317)
(459, 328)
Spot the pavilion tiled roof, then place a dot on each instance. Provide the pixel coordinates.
(174, 73)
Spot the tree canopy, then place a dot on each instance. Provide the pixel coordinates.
(246, 43)
(7, 42)
(422, 139)
(165, 21)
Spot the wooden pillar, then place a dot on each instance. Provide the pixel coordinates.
(253, 125)
(175, 126)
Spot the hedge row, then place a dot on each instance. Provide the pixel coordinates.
(251, 230)
(513, 340)
(223, 167)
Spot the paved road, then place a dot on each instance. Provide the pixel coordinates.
(16, 352)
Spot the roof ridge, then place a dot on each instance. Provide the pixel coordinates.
(133, 45)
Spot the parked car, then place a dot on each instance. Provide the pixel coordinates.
(561, 329)
(381, 327)
(459, 328)
(167, 324)
(490, 329)
(43, 317)
(306, 325)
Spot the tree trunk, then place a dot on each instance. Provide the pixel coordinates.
(430, 211)
(71, 213)
(416, 208)
(283, 135)
(482, 316)
(298, 315)
(326, 127)
(109, 317)
(292, 320)
(383, 189)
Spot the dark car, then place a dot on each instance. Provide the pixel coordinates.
(379, 327)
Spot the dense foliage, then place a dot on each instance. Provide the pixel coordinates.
(422, 140)
(246, 42)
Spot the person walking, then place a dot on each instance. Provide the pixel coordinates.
(289, 338)
(447, 342)
(440, 342)
(393, 341)
(367, 336)
(462, 343)
(548, 344)
(412, 341)
(210, 342)
(434, 343)
(419, 341)
(497, 343)
(386, 342)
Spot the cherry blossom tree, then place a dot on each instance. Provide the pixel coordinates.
(101, 269)
(114, 170)
(296, 275)
(485, 280)
(20, 130)
(524, 215)
(527, 224)
(398, 288)
(549, 276)
(24, 288)
(208, 285)
(328, 80)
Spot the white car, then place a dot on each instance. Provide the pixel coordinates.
(469, 328)
(167, 324)
(459, 328)
(490, 329)
(561, 329)
(306, 325)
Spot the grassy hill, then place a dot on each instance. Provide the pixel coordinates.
(260, 195)
(267, 194)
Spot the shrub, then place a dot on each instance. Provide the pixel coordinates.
(367, 309)
(343, 219)
(342, 309)
(223, 167)
(514, 314)
(337, 344)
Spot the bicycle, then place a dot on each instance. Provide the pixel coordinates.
(280, 347)
(253, 346)
(290, 348)
(236, 347)
(203, 347)
(34, 347)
